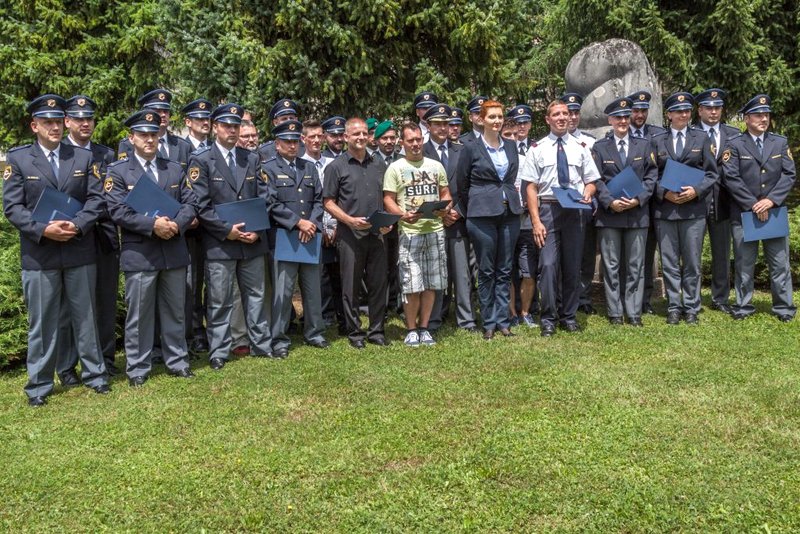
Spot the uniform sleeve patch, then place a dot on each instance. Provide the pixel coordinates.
(194, 173)
(96, 170)
(788, 155)
(122, 155)
(726, 156)
(7, 172)
(108, 185)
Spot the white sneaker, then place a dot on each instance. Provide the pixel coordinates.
(412, 339)
(426, 338)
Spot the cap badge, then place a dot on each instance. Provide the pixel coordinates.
(520, 111)
(81, 102)
(148, 117)
(681, 98)
(201, 105)
(426, 97)
(337, 122)
(762, 100)
(572, 99)
(622, 104)
(51, 102)
(642, 96)
(292, 127)
(286, 103)
(441, 109)
(233, 110)
(162, 96)
(714, 94)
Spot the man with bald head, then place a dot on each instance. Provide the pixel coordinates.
(352, 191)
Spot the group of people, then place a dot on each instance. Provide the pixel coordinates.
(415, 216)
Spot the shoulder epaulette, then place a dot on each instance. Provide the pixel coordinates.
(19, 148)
(658, 134)
(778, 135)
(201, 150)
(114, 163)
(588, 135)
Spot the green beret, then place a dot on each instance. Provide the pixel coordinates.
(382, 128)
(372, 122)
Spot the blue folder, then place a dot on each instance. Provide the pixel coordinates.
(289, 248)
(677, 175)
(379, 219)
(625, 184)
(427, 208)
(54, 205)
(148, 199)
(252, 212)
(570, 199)
(777, 225)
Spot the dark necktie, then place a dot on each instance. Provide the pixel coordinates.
(622, 155)
(561, 165)
(54, 164)
(522, 148)
(148, 171)
(162, 148)
(759, 145)
(443, 155)
(638, 133)
(679, 144)
(231, 165)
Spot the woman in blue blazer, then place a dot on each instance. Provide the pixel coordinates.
(489, 200)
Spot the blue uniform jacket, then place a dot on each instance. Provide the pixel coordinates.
(141, 249)
(697, 153)
(214, 183)
(751, 176)
(25, 176)
(296, 195)
(641, 158)
(454, 152)
(179, 149)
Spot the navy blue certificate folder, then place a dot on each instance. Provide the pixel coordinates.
(625, 184)
(147, 199)
(777, 225)
(379, 219)
(54, 205)
(677, 175)
(252, 212)
(570, 199)
(427, 208)
(289, 248)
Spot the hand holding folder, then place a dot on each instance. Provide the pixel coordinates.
(288, 247)
(776, 225)
(677, 176)
(625, 185)
(53, 205)
(427, 209)
(570, 199)
(252, 212)
(381, 219)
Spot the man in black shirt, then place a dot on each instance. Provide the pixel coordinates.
(352, 192)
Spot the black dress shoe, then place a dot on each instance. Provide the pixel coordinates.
(571, 326)
(635, 321)
(137, 381)
(380, 341)
(507, 332)
(36, 402)
(648, 309)
(674, 317)
(548, 330)
(721, 306)
(323, 344)
(616, 321)
(102, 389)
(217, 363)
(183, 373)
(690, 318)
(588, 309)
(785, 318)
(280, 353)
(70, 379)
(357, 343)
(488, 334)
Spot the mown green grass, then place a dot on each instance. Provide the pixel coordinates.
(615, 429)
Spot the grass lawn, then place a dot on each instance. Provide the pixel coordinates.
(614, 429)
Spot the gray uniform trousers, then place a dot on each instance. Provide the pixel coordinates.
(616, 245)
(286, 273)
(719, 235)
(776, 252)
(251, 276)
(107, 267)
(148, 293)
(43, 292)
(460, 262)
(238, 324)
(681, 245)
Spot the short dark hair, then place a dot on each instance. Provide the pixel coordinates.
(311, 123)
(408, 125)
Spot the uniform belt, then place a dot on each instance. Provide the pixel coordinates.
(505, 203)
(548, 201)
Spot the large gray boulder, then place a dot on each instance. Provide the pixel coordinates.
(608, 70)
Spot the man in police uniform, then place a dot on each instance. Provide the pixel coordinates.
(154, 254)
(558, 160)
(281, 111)
(759, 173)
(681, 217)
(641, 129)
(170, 146)
(422, 103)
(709, 119)
(522, 115)
(456, 121)
(574, 102)
(457, 244)
(80, 124)
(221, 174)
(196, 117)
(58, 257)
(297, 192)
(334, 136)
(474, 109)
